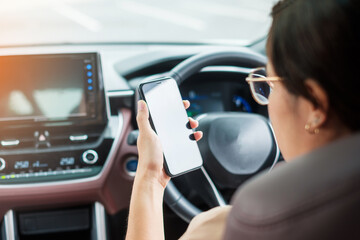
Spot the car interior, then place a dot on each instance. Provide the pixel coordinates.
(68, 131)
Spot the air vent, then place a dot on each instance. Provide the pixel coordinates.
(51, 141)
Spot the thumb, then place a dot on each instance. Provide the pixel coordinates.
(142, 117)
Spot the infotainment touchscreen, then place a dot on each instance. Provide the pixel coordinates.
(52, 117)
(47, 87)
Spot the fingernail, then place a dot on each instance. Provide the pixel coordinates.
(192, 136)
(188, 125)
(141, 105)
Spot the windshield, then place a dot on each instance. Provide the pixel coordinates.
(84, 21)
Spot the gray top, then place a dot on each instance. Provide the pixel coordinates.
(316, 196)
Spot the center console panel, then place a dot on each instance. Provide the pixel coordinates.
(86, 222)
(52, 117)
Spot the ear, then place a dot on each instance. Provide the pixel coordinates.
(318, 113)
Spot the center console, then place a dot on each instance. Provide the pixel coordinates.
(86, 222)
(52, 117)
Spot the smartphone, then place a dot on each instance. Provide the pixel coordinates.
(169, 120)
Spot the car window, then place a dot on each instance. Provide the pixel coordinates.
(186, 21)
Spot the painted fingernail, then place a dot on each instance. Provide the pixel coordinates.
(188, 125)
(192, 137)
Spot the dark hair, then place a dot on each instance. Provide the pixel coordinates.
(319, 40)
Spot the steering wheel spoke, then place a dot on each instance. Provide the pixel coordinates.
(206, 189)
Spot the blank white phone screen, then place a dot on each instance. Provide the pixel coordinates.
(169, 118)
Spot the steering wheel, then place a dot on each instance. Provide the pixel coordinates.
(235, 146)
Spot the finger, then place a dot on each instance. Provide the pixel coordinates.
(192, 123)
(142, 117)
(186, 104)
(196, 136)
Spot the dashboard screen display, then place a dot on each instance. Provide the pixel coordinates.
(203, 100)
(43, 88)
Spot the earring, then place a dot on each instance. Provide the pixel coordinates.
(315, 131)
(316, 121)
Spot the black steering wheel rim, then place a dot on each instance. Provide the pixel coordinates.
(242, 57)
(239, 57)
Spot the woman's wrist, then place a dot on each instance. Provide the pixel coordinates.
(149, 178)
(149, 173)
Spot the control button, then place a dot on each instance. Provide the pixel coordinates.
(2, 164)
(90, 88)
(42, 139)
(9, 143)
(88, 67)
(132, 137)
(78, 138)
(90, 157)
(90, 81)
(89, 74)
(131, 166)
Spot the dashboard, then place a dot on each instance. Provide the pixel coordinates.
(67, 113)
(218, 94)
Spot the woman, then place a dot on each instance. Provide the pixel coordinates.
(313, 50)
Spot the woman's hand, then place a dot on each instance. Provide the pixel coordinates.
(146, 213)
(149, 147)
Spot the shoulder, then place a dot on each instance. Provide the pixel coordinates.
(313, 190)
